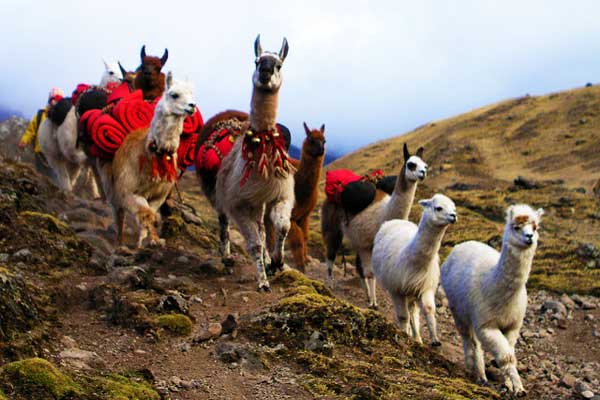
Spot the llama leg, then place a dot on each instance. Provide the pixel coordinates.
(74, 173)
(511, 337)
(262, 228)
(495, 342)
(91, 182)
(468, 351)
(480, 376)
(401, 306)
(280, 215)
(119, 217)
(145, 217)
(99, 182)
(225, 245)
(304, 226)
(415, 321)
(370, 283)
(332, 237)
(248, 221)
(427, 303)
(294, 241)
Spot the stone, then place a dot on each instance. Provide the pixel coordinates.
(4, 257)
(555, 306)
(21, 255)
(588, 317)
(578, 299)
(581, 387)
(229, 325)
(183, 260)
(566, 300)
(81, 359)
(68, 342)
(562, 323)
(212, 331)
(184, 347)
(567, 381)
(173, 302)
(587, 394)
(588, 305)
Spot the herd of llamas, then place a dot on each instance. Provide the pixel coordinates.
(253, 182)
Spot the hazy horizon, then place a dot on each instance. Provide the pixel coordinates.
(367, 70)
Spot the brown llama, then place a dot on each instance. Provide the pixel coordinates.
(596, 189)
(144, 169)
(148, 77)
(361, 228)
(306, 192)
(256, 179)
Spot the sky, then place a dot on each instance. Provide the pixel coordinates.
(368, 70)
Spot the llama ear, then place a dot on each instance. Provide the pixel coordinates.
(284, 50)
(306, 128)
(322, 128)
(420, 152)
(406, 153)
(169, 79)
(257, 47)
(539, 212)
(425, 203)
(105, 63)
(164, 58)
(509, 213)
(143, 53)
(123, 70)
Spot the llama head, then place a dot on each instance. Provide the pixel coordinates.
(128, 76)
(414, 167)
(522, 223)
(148, 73)
(314, 144)
(439, 210)
(111, 74)
(177, 102)
(267, 75)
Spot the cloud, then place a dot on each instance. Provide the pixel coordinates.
(368, 69)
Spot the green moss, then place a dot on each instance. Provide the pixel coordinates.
(293, 278)
(176, 323)
(49, 222)
(3, 396)
(172, 227)
(36, 378)
(118, 387)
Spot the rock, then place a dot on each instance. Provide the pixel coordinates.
(212, 331)
(588, 317)
(183, 260)
(588, 305)
(68, 342)
(173, 302)
(566, 300)
(22, 255)
(319, 343)
(81, 359)
(527, 184)
(567, 381)
(581, 387)
(587, 394)
(555, 306)
(134, 277)
(184, 347)
(562, 323)
(4, 257)
(229, 325)
(578, 299)
(228, 353)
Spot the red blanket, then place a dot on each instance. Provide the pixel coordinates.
(132, 112)
(338, 179)
(193, 123)
(211, 153)
(185, 151)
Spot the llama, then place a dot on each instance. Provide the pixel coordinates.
(144, 169)
(306, 193)
(487, 295)
(149, 78)
(58, 140)
(361, 228)
(112, 74)
(407, 264)
(256, 177)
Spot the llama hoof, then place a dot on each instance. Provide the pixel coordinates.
(521, 393)
(264, 287)
(374, 307)
(228, 262)
(157, 243)
(436, 343)
(482, 382)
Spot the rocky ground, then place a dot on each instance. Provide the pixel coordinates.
(172, 324)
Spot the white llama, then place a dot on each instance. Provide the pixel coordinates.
(59, 143)
(244, 191)
(487, 295)
(360, 229)
(407, 264)
(144, 169)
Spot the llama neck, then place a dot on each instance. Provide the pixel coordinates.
(512, 271)
(402, 198)
(166, 128)
(308, 175)
(426, 243)
(263, 110)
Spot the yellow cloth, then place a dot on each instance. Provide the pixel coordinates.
(31, 132)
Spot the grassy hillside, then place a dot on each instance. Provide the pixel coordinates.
(551, 140)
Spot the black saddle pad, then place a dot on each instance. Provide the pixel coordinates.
(91, 100)
(387, 184)
(58, 112)
(357, 196)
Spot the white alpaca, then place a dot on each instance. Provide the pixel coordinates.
(406, 263)
(360, 229)
(486, 293)
(59, 143)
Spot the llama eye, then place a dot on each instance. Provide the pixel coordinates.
(411, 166)
(278, 67)
(517, 228)
(111, 73)
(175, 96)
(438, 209)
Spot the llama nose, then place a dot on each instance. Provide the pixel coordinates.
(192, 105)
(452, 218)
(529, 238)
